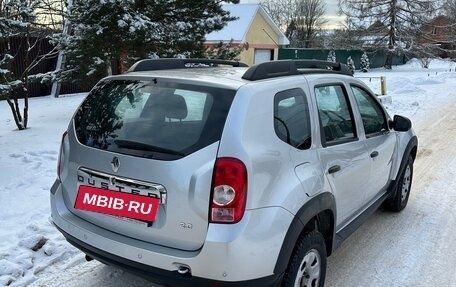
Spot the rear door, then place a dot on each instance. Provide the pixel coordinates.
(156, 139)
(379, 140)
(343, 156)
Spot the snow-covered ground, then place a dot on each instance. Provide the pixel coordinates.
(412, 248)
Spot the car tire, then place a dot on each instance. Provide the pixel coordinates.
(307, 266)
(400, 196)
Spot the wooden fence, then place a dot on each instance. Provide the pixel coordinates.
(17, 47)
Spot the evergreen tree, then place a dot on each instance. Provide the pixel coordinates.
(119, 32)
(365, 64)
(7, 82)
(351, 64)
(390, 24)
(331, 56)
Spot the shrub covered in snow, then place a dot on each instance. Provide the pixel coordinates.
(331, 56)
(365, 64)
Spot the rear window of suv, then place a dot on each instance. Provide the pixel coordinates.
(157, 119)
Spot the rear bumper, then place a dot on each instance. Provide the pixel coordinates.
(172, 278)
(243, 254)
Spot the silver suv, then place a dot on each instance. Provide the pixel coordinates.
(196, 173)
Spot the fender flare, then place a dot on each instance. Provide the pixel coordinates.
(321, 202)
(412, 144)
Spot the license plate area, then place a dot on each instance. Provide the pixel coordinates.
(118, 196)
(117, 203)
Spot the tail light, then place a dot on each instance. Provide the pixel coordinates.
(63, 145)
(229, 191)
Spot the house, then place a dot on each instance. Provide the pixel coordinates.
(254, 29)
(376, 35)
(439, 32)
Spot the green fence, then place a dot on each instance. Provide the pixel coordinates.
(376, 59)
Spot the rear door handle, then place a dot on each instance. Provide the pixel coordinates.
(374, 154)
(334, 169)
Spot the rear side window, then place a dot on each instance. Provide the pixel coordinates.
(156, 119)
(336, 118)
(291, 118)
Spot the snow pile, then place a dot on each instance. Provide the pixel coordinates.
(435, 64)
(415, 91)
(29, 244)
(33, 252)
(404, 85)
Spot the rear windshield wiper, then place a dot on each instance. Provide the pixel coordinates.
(144, 146)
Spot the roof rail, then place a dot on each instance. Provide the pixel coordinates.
(283, 68)
(171, 63)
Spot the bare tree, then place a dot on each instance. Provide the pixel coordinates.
(282, 13)
(25, 27)
(395, 21)
(301, 20)
(450, 8)
(345, 37)
(50, 14)
(309, 21)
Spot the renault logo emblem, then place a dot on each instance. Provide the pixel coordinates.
(115, 164)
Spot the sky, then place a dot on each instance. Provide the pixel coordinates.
(332, 13)
(334, 20)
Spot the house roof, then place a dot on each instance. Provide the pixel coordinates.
(237, 30)
(377, 28)
(440, 20)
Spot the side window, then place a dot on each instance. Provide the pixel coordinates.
(374, 119)
(336, 118)
(291, 118)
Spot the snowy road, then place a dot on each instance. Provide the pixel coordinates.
(416, 247)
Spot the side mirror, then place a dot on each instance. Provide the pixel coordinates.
(401, 124)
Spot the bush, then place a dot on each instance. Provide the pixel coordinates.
(365, 64)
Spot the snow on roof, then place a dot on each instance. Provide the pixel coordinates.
(237, 29)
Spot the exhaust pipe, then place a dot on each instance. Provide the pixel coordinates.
(183, 270)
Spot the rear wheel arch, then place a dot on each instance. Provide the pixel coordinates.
(316, 215)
